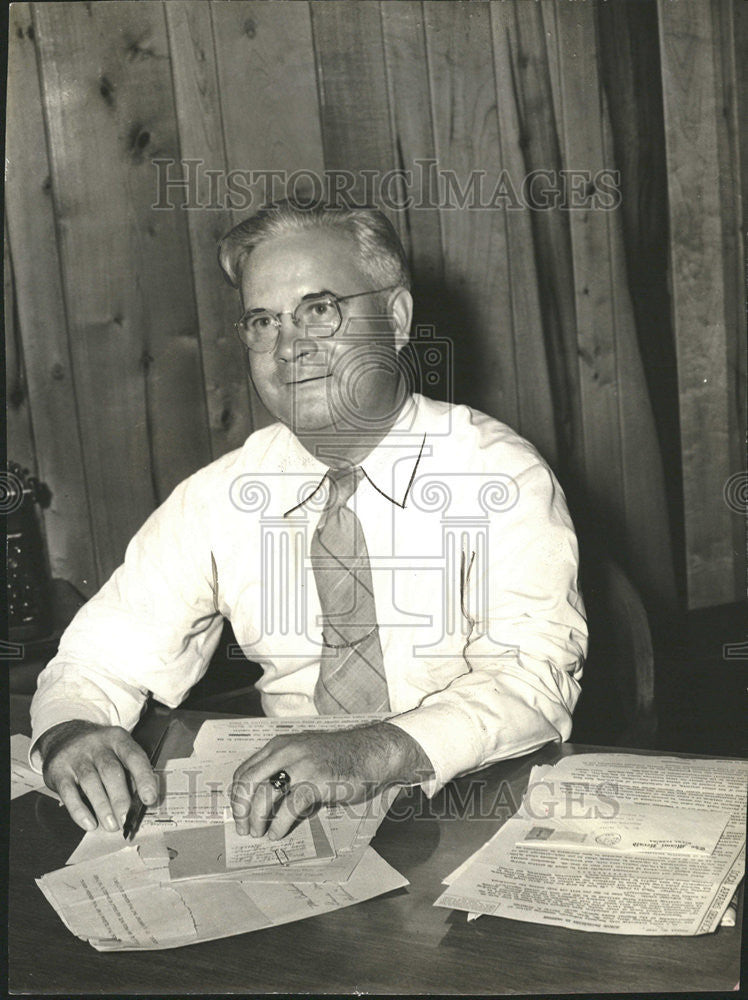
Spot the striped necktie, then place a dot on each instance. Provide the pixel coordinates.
(351, 674)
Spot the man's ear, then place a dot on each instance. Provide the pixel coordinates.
(401, 312)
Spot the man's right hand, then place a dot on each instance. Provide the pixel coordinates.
(86, 757)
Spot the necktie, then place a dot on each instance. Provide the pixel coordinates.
(351, 676)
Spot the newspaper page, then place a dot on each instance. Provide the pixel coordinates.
(662, 891)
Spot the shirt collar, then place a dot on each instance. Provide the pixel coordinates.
(390, 467)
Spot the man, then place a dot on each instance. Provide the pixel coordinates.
(428, 572)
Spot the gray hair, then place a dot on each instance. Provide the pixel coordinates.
(380, 252)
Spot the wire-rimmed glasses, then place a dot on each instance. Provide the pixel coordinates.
(318, 315)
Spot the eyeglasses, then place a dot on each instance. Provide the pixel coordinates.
(318, 315)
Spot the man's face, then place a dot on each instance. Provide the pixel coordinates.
(349, 382)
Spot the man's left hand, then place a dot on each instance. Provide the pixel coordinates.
(350, 765)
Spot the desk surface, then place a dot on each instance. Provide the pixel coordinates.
(397, 943)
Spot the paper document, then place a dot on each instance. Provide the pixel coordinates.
(187, 876)
(192, 792)
(626, 827)
(117, 899)
(215, 851)
(239, 738)
(22, 778)
(251, 852)
(193, 800)
(117, 903)
(655, 890)
(349, 830)
(100, 842)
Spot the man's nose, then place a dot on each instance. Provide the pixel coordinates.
(292, 341)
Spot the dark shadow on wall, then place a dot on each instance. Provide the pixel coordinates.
(440, 360)
(632, 80)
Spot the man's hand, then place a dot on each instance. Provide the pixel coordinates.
(83, 756)
(347, 766)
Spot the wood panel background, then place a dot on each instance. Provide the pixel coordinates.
(610, 338)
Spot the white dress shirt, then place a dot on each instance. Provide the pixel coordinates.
(474, 567)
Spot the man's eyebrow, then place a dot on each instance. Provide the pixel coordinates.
(315, 295)
(309, 295)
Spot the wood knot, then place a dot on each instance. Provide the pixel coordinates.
(136, 51)
(58, 372)
(250, 28)
(17, 395)
(106, 89)
(138, 140)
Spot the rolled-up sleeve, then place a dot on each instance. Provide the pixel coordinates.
(525, 645)
(151, 629)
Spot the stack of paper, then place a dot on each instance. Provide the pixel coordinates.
(122, 903)
(619, 843)
(188, 876)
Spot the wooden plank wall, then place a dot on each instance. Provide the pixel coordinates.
(124, 372)
(197, 99)
(50, 391)
(698, 72)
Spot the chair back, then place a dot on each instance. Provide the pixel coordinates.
(617, 704)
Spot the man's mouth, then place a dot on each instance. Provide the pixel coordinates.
(307, 378)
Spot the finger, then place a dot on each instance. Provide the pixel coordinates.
(90, 783)
(240, 797)
(136, 761)
(251, 805)
(280, 760)
(279, 746)
(68, 792)
(262, 808)
(246, 781)
(297, 804)
(112, 775)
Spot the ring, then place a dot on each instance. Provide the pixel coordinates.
(281, 781)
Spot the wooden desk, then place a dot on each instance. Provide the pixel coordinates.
(398, 943)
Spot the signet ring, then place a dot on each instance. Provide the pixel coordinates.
(281, 781)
